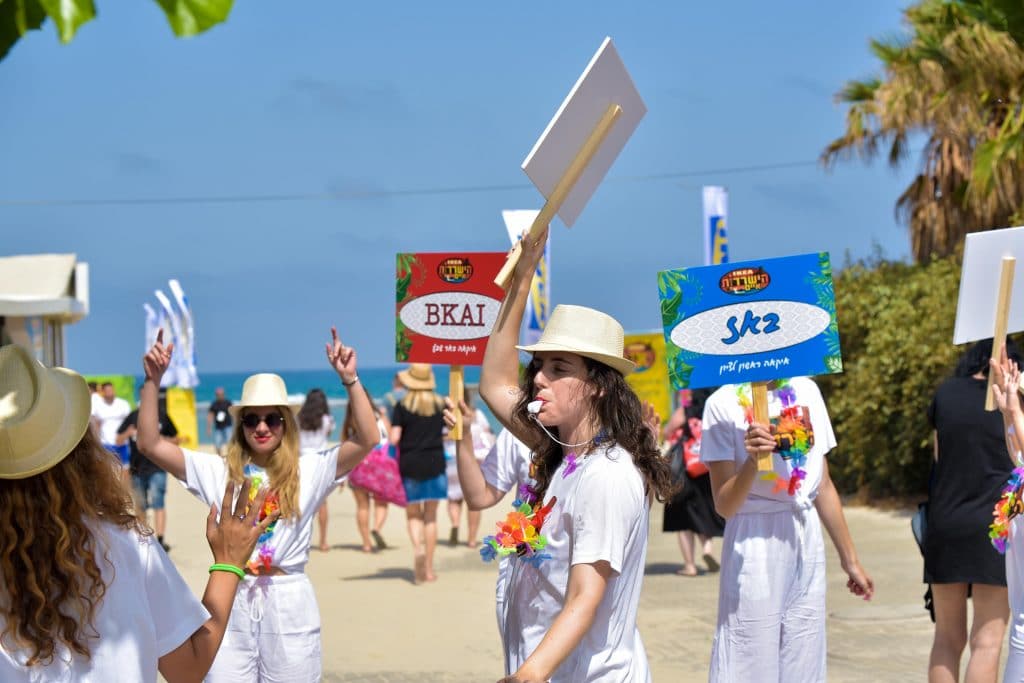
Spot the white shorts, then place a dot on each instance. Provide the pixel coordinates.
(273, 633)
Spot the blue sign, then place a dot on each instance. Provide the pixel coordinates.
(750, 322)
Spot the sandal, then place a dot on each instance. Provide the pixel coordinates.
(379, 540)
(711, 563)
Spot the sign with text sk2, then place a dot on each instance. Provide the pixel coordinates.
(446, 304)
(750, 322)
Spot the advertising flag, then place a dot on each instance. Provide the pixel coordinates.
(716, 241)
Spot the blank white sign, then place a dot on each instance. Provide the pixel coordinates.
(979, 284)
(604, 82)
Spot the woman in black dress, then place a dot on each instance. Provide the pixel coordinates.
(692, 510)
(968, 476)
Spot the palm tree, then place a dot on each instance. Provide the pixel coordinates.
(957, 79)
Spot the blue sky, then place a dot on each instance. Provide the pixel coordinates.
(387, 97)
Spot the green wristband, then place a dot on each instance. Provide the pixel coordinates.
(220, 567)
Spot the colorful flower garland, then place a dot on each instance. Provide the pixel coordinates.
(263, 556)
(1009, 506)
(789, 423)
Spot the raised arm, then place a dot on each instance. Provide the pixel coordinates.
(499, 377)
(1005, 388)
(161, 452)
(352, 451)
(232, 539)
(479, 495)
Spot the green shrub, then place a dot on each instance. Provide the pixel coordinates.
(896, 330)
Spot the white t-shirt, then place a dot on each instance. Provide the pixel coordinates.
(110, 416)
(506, 468)
(601, 513)
(206, 477)
(316, 439)
(724, 426)
(147, 612)
(483, 437)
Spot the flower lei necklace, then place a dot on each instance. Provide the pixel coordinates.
(519, 534)
(263, 556)
(790, 423)
(1009, 506)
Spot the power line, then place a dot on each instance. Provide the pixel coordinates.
(375, 194)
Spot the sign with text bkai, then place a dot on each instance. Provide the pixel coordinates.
(750, 322)
(447, 304)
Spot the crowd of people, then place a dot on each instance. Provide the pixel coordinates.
(583, 457)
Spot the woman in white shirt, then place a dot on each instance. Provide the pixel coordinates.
(572, 596)
(87, 594)
(274, 629)
(315, 427)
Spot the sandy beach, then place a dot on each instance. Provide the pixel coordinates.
(380, 628)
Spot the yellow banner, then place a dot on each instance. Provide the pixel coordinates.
(181, 408)
(650, 379)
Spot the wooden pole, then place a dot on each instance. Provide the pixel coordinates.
(457, 393)
(759, 397)
(562, 189)
(1002, 319)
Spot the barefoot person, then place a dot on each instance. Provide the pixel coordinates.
(771, 600)
(87, 593)
(571, 602)
(274, 630)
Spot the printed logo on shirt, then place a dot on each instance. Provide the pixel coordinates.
(792, 431)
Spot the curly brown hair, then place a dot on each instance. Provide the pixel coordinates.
(618, 410)
(48, 548)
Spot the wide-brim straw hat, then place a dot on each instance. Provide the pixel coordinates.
(260, 390)
(418, 377)
(44, 413)
(585, 332)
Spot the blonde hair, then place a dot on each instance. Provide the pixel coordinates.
(422, 402)
(53, 584)
(282, 467)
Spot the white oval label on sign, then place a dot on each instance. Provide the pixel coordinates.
(451, 315)
(753, 327)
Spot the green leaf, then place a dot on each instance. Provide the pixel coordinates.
(192, 17)
(17, 17)
(69, 15)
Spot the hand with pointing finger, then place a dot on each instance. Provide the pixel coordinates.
(157, 359)
(342, 358)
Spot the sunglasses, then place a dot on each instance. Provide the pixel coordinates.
(252, 420)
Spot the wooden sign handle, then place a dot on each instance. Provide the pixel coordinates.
(457, 393)
(759, 397)
(1002, 320)
(562, 189)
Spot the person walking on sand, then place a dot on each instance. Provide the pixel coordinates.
(274, 630)
(417, 426)
(315, 427)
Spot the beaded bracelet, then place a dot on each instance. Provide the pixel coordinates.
(220, 567)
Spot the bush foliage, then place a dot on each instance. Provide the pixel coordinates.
(896, 330)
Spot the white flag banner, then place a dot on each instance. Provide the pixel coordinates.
(538, 304)
(187, 339)
(152, 325)
(716, 241)
(175, 374)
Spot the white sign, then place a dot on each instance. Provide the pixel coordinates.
(979, 284)
(604, 82)
(754, 327)
(451, 315)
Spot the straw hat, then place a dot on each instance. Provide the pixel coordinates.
(585, 332)
(418, 377)
(44, 413)
(263, 389)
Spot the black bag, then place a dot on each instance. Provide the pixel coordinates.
(919, 525)
(677, 463)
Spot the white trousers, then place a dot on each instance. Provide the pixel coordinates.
(771, 600)
(273, 633)
(1015, 587)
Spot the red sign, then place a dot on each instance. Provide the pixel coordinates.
(447, 305)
